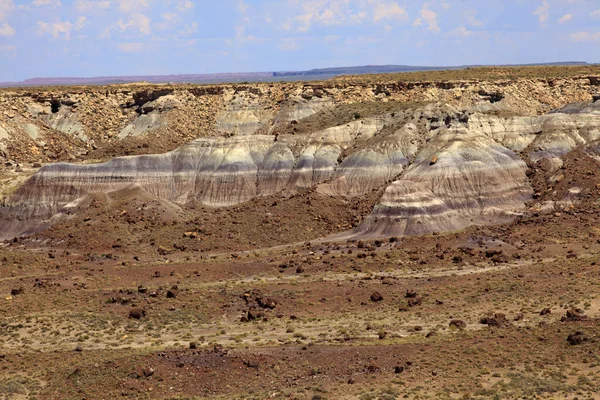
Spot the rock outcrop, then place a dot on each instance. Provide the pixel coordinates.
(440, 166)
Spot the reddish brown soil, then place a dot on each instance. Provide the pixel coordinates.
(317, 330)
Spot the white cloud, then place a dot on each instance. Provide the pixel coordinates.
(6, 30)
(585, 37)
(6, 8)
(130, 6)
(428, 17)
(7, 48)
(461, 31)
(39, 3)
(324, 13)
(169, 20)
(132, 47)
(137, 22)
(565, 18)
(543, 12)
(184, 5)
(242, 7)
(595, 14)
(57, 28)
(189, 30)
(472, 20)
(91, 6)
(384, 10)
(289, 44)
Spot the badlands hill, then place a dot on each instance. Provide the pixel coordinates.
(431, 235)
(445, 154)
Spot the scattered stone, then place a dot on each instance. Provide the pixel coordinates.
(577, 338)
(458, 324)
(266, 303)
(545, 311)
(78, 349)
(172, 293)
(372, 369)
(148, 372)
(398, 369)
(573, 314)
(252, 364)
(497, 320)
(193, 346)
(376, 297)
(137, 313)
(16, 292)
(415, 301)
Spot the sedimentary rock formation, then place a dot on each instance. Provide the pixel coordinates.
(443, 167)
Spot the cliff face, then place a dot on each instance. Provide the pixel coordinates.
(444, 168)
(444, 164)
(83, 123)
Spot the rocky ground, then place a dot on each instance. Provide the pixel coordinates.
(134, 296)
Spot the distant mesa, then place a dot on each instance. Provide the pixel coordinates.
(238, 77)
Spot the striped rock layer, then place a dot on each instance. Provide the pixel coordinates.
(442, 169)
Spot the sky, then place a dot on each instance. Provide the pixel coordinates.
(89, 38)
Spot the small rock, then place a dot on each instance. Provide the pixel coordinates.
(376, 297)
(137, 313)
(546, 311)
(574, 314)
(458, 324)
(577, 338)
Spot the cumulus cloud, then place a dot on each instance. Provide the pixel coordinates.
(6, 30)
(91, 6)
(324, 13)
(460, 32)
(57, 28)
(428, 17)
(6, 8)
(169, 20)
(8, 48)
(129, 6)
(132, 47)
(136, 22)
(185, 5)
(189, 30)
(288, 44)
(585, 37)
(472, 20)
(39, 3)
(384, 10)
(543, 13)
(565, 18)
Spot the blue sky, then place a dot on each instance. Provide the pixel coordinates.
(47, 38)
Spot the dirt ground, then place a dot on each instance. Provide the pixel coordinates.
(134, 298)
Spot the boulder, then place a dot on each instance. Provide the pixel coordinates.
(137, 313)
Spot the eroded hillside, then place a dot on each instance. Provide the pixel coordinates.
(446, 155)
(421, 236)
